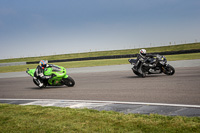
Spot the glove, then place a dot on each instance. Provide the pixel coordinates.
(47, 77)
(152, 65)
(145, 64)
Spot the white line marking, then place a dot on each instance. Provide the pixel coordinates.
(110, 102)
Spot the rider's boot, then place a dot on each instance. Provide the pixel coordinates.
(40, 84)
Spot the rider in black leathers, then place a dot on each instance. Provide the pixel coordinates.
(39, 73)
(141, 59)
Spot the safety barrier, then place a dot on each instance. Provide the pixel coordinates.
(13, 64)
(120, 56)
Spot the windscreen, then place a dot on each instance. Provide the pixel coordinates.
(56, 68)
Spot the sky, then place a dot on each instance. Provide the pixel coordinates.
(31, 28)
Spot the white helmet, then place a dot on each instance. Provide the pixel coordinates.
(142, 52)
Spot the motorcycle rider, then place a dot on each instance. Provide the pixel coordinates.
(141, 59)
(39, 73)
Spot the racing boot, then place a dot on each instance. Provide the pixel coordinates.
(41, 85)
(38, 82)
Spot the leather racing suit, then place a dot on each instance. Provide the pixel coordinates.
(39, 76)
(141, 60)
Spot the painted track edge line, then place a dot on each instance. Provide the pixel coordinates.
(113, 102)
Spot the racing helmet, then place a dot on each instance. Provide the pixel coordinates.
(143, 52)
(43, 64)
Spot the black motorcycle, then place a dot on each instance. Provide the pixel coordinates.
(152, 65)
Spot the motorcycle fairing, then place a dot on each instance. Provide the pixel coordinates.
(31, 72)
(133, 61)
(58, 72)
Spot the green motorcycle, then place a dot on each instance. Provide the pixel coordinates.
(58, 74)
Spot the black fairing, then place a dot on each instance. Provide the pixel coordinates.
(151, 60)
(133, 61)
(159, 60)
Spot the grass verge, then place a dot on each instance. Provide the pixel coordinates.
(75, 64)
(17, 118)
(105, 53)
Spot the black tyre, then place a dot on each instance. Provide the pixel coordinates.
(136, 73)
(69, 82)
(169, 70)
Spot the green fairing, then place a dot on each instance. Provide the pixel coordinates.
(31, 72)
(66, 76)
(58, 72)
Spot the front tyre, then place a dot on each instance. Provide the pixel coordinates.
(136, 72)
(169, 70)
(69, 81)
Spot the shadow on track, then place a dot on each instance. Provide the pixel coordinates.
(48, 87)
(147, 76)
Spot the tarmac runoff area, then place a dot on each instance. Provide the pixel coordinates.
(124, 107)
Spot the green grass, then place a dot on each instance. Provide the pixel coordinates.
(17, 118)
(105, 53)
(90, 63)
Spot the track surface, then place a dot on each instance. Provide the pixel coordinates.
(181, 88)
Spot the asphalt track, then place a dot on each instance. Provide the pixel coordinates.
(183, 88)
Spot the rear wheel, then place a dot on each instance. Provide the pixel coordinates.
(169, 70)
(69, 82)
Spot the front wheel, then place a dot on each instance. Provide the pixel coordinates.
(69, 82)
(169, 70)
(136, 72)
